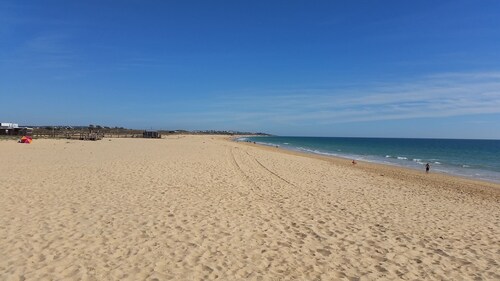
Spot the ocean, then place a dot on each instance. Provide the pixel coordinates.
(477, 159)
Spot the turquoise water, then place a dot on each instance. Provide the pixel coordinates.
(478, 159)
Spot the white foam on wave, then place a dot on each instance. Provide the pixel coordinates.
(267, 144)
(285, 143)
(418, 161)
(402, 158)
(437, 163)
(316, 151)
(465, 166)
(387, 156)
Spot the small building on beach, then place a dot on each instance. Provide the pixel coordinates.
(151, 135)
(13, 129)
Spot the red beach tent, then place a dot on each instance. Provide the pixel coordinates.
(26, 139)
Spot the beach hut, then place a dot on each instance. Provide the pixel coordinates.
(13, 129)
(151, 135)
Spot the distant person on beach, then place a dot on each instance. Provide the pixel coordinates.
(354, 162)
(427, 167)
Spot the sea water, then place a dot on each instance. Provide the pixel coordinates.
(478, 159)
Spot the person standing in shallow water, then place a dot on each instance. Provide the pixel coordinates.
(427, 167)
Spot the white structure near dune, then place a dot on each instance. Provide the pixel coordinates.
(13, 129)
(7, 126)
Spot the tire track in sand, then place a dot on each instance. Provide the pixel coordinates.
(275, 174)
(253, 185)
(277, 188)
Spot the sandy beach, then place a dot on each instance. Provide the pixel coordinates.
(206, 208)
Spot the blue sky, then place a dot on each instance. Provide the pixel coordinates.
(318, 68)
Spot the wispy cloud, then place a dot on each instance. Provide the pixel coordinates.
(32, 41)
(440, 95)
(46, 50)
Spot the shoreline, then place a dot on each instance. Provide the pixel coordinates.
(444, 180)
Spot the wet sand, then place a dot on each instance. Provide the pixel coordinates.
(205, 208)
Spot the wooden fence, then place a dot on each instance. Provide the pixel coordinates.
(84, 135)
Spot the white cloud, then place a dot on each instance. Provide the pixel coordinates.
(440, 95)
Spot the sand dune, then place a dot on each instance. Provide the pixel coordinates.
(205, 208)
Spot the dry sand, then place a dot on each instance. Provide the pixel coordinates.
(203, 208)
